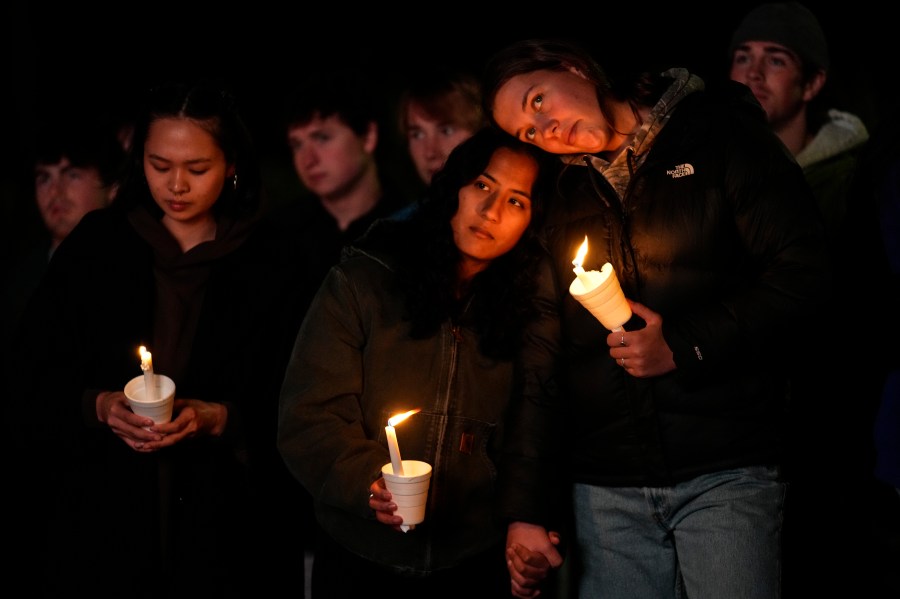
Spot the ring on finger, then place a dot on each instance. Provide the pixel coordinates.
(623, 362)
(622, 342)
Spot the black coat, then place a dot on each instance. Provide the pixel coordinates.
(198, 518)
(717, 233)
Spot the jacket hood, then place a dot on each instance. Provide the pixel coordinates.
(683, 84)
(618, 172)
(384, 241)
(842, 132)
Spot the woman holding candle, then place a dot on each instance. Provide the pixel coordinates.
(184, 264)
(424, 313)
(672, 442)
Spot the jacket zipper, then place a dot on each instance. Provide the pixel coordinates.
(627, 249)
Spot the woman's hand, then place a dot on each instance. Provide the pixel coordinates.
(530, 555)
(380, 500)
(113, 410)
(642, 353)
(194, 418)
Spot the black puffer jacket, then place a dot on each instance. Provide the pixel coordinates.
(717, 232)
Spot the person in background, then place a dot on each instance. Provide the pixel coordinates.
(75, 170)
(421, 313)
(333, 121)
(668, 432)
(115, 505)
(780, 51)
(437, 110)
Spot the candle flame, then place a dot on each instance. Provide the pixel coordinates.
(398, 418)
(146, 358)
(582, 252)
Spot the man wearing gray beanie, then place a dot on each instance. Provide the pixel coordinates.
(789, 24)
(779, 51)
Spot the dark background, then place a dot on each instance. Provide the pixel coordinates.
(82, 58)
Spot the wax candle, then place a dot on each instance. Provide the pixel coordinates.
(393, 446)
(147, 367)
(394, 449)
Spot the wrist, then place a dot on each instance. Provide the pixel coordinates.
(100, 406)
(221, 420)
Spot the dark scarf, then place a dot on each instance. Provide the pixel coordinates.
(181, 280)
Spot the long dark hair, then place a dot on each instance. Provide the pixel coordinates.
(501, 295)
(214, 108)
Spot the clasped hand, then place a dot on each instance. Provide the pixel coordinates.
(530, 550)
(192, 418)
(531, 554)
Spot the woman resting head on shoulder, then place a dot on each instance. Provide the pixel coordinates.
(556, 96)
(711, 229)
(192, 164)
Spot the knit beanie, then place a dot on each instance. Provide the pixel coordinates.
(787, 23)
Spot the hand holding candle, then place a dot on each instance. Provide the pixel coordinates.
(600, 292)
(147, 367)
(409, 486)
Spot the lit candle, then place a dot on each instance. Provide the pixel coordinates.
(147, 367)
(393, 446)
(578, 261)
(600, 292)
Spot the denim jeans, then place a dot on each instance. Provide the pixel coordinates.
(716, 536)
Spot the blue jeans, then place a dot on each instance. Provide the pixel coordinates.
(715, 536)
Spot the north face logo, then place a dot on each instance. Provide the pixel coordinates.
(682, 170)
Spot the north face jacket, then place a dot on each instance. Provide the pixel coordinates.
(709, 222)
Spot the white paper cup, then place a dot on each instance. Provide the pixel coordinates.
(416, 488)
(409, 501)
(605, 300)
(410, 491)
(159, 410)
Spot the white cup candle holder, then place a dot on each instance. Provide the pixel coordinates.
(409, 490)
(159, 410)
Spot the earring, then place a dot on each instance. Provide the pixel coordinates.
(235, 181)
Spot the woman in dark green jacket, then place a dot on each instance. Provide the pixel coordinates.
(424, 313)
